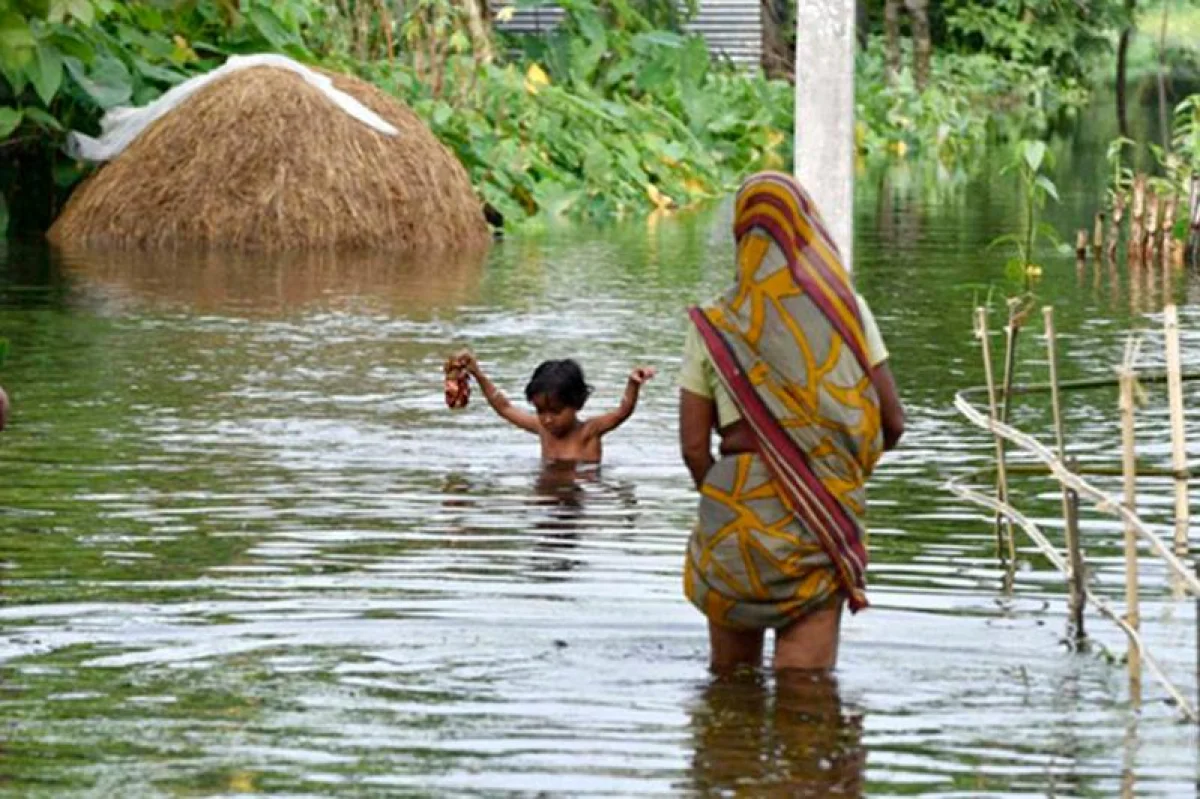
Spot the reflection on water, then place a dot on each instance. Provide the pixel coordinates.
(215, 282)
(246, 547)
(790, 735)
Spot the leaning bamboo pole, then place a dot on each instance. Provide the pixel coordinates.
(1099, 603)
(981, 332)
(1103, 501)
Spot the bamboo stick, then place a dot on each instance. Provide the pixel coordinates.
(981, 332)
(1081, 244)
(1011, 331)
(1098, 602)
(1148, 378)
(1137, 219)
(1104, 502)
(1129, 459)
(1070, 502)
(1097, 235)
(1178, 434)
(1114, 226)
(1150, 245)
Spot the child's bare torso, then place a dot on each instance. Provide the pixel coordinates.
(580, 445)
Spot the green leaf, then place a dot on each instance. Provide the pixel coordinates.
(10, 120)
(70, 44)
(1007, 238)
(157, 73)
(16, 40)
(1034, 153)
(43, 119)
(80, 10)
(270, 27)
(109, 83)
(67, 173)
(1014, 269)
(1047, 185)
(45, 71)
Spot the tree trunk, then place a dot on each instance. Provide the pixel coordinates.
(778, 49)
(922, 45)
(891, 27)
(479, 28)
(1122, 64)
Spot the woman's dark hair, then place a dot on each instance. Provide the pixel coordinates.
(559, 380)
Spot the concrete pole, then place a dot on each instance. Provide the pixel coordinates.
(824, 157)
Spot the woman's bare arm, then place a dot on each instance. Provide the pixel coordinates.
(891, 412)
(696, 417)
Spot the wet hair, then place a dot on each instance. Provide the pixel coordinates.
(559, 380)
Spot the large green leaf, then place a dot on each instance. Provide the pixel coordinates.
(270, 27)
(10, 120)
(1034, 153)
(43, 119)
(108, 83)
(45, 71)
(80, 10)
(17, 42)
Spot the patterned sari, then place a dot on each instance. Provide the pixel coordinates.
(780, 532)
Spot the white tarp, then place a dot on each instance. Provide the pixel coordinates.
(120, 126)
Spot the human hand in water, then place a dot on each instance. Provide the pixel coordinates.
(641, 375)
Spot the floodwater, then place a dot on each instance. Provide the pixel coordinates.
(245, 548)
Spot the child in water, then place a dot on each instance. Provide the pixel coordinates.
(558, 392)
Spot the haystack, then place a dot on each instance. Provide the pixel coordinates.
(261, 160)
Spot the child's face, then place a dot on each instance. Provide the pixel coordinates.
(556, 418)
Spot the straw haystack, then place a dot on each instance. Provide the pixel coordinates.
(261, 160)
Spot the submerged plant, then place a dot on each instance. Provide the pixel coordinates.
(1031, 159)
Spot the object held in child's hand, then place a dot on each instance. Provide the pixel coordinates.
(458, 382)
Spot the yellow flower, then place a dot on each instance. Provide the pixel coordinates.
(660, 200)
(506, 14)
(534, 78)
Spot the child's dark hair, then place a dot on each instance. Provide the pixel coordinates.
(560, 380)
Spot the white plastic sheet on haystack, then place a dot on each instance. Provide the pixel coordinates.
(120, 126)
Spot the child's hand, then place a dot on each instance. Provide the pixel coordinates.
(466, 359)
(641, 375)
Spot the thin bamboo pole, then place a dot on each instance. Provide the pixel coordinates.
(1081, 244)
(1016, 316)
(1129, 459)
(981, 332)
(1070, 502)
(1178, 434)
(1148, 378)
(1097, 235)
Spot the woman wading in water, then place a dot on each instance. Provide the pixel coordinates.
(789, 368)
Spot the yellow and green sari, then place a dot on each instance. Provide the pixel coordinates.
(780, 532)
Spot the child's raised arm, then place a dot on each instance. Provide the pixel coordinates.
(500, 403)
(607, 422)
